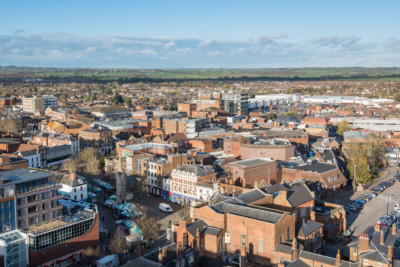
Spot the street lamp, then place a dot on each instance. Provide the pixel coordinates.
(387, 203)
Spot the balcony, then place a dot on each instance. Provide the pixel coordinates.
(38, 188)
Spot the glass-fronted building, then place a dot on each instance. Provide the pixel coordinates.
(14, 247)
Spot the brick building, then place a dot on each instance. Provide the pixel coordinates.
(329, 175)
(247, 148)
(239, 228)
(252, 171)
(184, 180)
(98, 139)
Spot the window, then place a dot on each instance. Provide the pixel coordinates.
(54, 214)
(33, 220)
(354, 251)
(303, 212)
(52, 204)
(75, 198)
(19, 212)
(32, 209)
(44, 206)
(75, 190)
(260, 245)
(243, 240)
(19, 201)
(81, 196)
(32, 198)
(43, 196)
(43, 217)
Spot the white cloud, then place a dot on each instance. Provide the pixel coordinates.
(214, 53)
(91, 49)
(169, 45)
(206, 42)
(263, 39)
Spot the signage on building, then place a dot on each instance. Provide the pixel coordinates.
(227, 238)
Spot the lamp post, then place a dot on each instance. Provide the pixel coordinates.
(387, 203)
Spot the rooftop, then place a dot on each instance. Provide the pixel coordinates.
(23, 175)
(252, 162)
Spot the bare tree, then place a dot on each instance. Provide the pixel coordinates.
(149, 228)
(89, 256)
(118, 244)
(91, 162)
(70, 166)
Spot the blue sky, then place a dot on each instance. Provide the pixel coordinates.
(200, 34)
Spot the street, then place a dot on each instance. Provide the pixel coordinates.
(360, 220)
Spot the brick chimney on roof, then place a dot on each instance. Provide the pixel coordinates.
(382, 238)
(73, 175)
(394, 228)
(294, 248)
(390, 252)
(377, 227)
(338, 258)
(363, 242)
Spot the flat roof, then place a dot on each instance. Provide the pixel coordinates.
(23, 175)
(251, 162)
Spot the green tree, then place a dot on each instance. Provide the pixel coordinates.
(102, 160)
(358, 160)
(90, 159)
(86, 98)
(291, 112)
(343, 126)
(117, 98)
(128, 101)
(374, 149)
(270, 115)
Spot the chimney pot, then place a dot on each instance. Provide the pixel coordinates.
(390, 252)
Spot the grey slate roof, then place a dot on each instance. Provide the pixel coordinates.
(251, 196)
(317, 167)
(199, 224)
(67, 180)
(299, 194)
(309, 227)
(28, 153)
(198, 170)
(374, 255)
(317, 257)
(297, 263)
(212, 230)
(284, 248)
(249, 212)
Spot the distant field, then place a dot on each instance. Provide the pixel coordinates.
(10, 72)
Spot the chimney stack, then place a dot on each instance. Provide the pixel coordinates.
(338, 259)
(256, 184)
(73, 175)
(160, 257)
(382, 238)
(179, 253)
(394, 229)
(390, 252)
(363, 242)
(244, 182)
(198, 242)
(377, 227)
(294, 248)
(139, 251)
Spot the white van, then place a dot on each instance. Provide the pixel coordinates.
(165, 207)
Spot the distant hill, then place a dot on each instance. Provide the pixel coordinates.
(159, 75)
